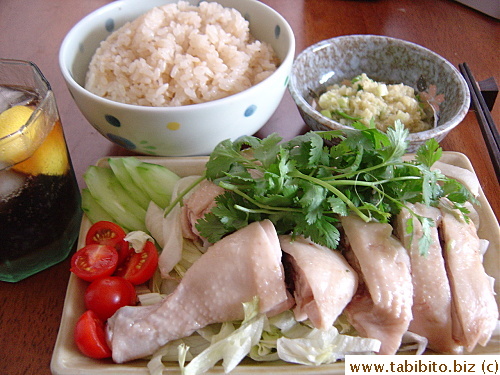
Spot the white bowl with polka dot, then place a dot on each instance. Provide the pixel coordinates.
(185, 130)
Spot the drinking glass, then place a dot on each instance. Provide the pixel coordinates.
(40, 208)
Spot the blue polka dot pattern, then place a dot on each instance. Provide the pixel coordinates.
(250, 110)
(112, 120)
(121, 141)
(109, 25)
(277, 31)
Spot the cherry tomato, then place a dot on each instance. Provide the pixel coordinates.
(90, 337)
(104, 233)
(124, 251)
(106, 295)
(139, 267)
(94, 261)
(111, 234)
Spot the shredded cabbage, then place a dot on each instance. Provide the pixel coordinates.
(230, 345)
(138, 239)
(324, 346)
(262, 339)
(413, 342)
(171, 351)
(298, 342)
(172, 242)
(154, 222)
(171, 252)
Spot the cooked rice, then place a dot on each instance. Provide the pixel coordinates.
(180, 54)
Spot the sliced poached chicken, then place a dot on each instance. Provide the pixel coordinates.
(196, 206)
(242, 265)
(323, 282)
(474, 309)
(381, 308)
(431, 289)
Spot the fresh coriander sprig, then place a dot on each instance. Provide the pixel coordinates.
(303, 186)
(334, 190)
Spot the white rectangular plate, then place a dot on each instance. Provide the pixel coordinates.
(67, 360)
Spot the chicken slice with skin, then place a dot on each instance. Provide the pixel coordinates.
(474, 309)
(381, 308)
(431, 289)
(242, 265)
(323, 282)
(196, 206)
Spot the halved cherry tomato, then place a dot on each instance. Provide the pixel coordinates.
(105, 233)
(106, 295)
(139, 267)
(94, 261)
(111, 234)
(124, 251)
(90, 337)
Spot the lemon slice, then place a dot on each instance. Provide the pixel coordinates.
(50, 158)
(17, 144)
(13, 119)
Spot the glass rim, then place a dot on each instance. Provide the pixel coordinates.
(31, 64)
(43, 97)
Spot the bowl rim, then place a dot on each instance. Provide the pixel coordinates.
(76, 30)
(430, 133)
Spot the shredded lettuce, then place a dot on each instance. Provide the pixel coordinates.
(166, 228)
(190, 254)
(230, 345)
(171, 252)
(298, 342)
(323, 347)
(262, 339)
(149, 298)
(138, 239)
(155, 223)
(171, 351)
(413, 342)
(275, 328)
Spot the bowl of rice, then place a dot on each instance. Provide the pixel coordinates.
(174, 78)
(374, 81)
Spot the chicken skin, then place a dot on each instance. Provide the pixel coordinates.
(234, 270)
(323, 282)
(474, 309)
(431, 289)
(381, 308)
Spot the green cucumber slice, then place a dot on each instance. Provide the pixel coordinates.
(92, 209)
(156, 180)
(112, 197)
(123, 175)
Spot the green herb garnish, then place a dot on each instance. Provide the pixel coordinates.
(303, 186)
(345, 115)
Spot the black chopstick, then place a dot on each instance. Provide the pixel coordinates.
(483, 114)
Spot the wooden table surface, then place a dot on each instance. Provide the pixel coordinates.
(30, 310)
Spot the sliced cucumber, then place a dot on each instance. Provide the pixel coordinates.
(160, 182)
(156, 180)
(92, 209)
(123, 175)
(112, 197)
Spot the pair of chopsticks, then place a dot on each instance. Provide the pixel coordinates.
(483, 114)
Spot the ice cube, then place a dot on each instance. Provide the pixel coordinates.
(10, 184)
(10, 97)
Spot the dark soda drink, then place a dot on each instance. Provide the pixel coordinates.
(39, 197)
